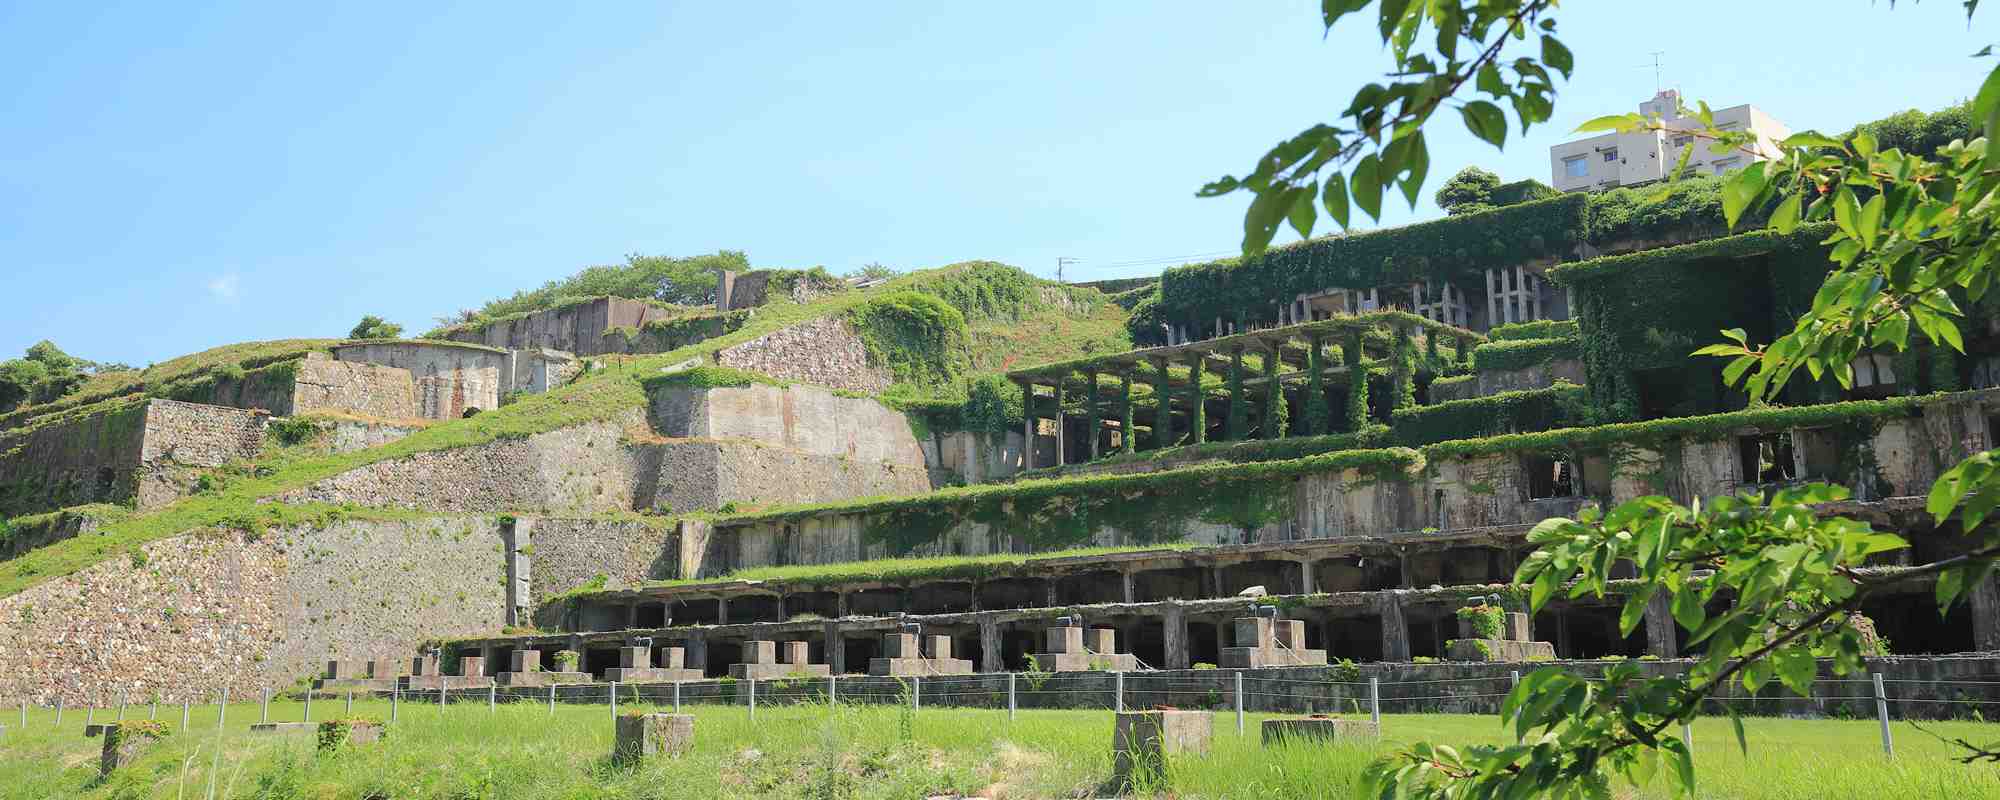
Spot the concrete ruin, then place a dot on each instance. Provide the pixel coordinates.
(901, 657)
(525, 669)
(768, 660)
(1269, 642)
(635, 665)
(1068, 649)
(1512, 645)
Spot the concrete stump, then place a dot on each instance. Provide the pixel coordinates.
(275, 728)
(1143, 740)
(643, 736)
(1319, 730)
(124, 742)
(336, 733)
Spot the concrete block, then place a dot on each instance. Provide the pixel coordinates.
(1517, 626)
(900, 645)
(793, 653)
(541, 678)
(95, 730)
(383, 668)
(1289, 633)
(1498, 650)
(938, 646)
(276, 728)
(673, 657)
(767, 672)
(1252, 631)
(643, 736)
(1145, 740)
(524, 661)
(760, 652)
(1320, 730)
(1101, 640)
(1063, 640)
(921, 667)
(125, 742)
(336, 733)
(652, 675)
(635, 658)
(346, 669)
(472, 666)
(1085, 662)
(423, 666)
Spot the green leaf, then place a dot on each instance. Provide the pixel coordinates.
(1336, 199)
(1366, 184)
(1260, 222)
(1304, 209)
(1418, 163)
(1687, 609)
(1845, 210)
(1786, 218)
(1870, 221)
(1614, 122)
(1486, 121)
(1635, 609)
(1741, 190)
(1736, 721)
(1808, 139)
(1556, 55)
(1986, 111)
(1392, 15)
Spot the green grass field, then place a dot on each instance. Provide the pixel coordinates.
(812, 751)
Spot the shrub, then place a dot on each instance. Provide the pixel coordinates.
(1488, 622)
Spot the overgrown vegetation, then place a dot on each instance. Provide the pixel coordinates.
(668, 280)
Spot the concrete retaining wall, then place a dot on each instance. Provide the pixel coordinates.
(192, 614)
(1492, 382)
(579, 328)
(807, 419)
(137, 453)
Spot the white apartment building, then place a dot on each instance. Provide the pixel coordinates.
(1611, 160)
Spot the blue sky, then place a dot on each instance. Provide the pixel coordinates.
(175, 176)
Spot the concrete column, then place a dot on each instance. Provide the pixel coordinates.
(1402, 571)
(1125, 582)
(1239, 406)
(697, 649)
(1395, 629)
(1984, 599)
(1305, 576)
(1163, 394)
(1176, 638)
(1314, 409)
(1127, 441)
(840, 604)
(631, 616)
(1027, 425)
(1198, 415)
(990, 659)
(1660, 639)
(1050, 585)
(1274, 396)
(1215, 582)
(1090, 406)
(836, 647)
(1062, 428)
(778, 612)
(722, 610)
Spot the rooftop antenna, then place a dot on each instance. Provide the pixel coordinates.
(1656, 69)
(1062, 261)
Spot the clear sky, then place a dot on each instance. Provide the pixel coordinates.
(175, 176)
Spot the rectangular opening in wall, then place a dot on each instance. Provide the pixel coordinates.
(1767, 457)
(1818, 455)
(1550, 477)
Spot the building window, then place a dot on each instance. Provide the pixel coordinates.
(1727, 164)
(1611, 155)
(1683, 140)
(1576, 167)
(1550, 478)
(1767, 458)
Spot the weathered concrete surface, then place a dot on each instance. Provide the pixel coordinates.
(1319, 730)
(141, 452)
(1143, 741)
(580, 328)
(584, 468)
(807, 419)
(1499, 650)
(643, 736)
(824, 351)
(703, 474)
(323, 384)
(195, 613)
(566, 552)
(1491, 382)
(448, 377)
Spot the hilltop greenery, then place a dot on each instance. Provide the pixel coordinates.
(688, 281)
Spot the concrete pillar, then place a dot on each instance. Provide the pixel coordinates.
(1984, 600)
(722, 610)
(778, 611)
(697, 650)
(1090, 406)
(1050, 586)
(1395, 629)
(836, 647)
(1402, 571)
(1163, 393)
(1660, 638)
(1125, 582)
(840, 604)
(1198, 415)
(1239, 405)
(1176, 638)
(990, 659)
(1027, 425)
(1305, 576)
(1062, 428)
(1127, 441)
(1314, 409)
(1214, 582)
(631, 616)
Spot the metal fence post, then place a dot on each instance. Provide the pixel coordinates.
(1375, 701)
(90, 715)
(59, 709)
(349, 708)
(221, 712)
(395, 701)
(832, 689)
(1882, 714)
(677, 697)
(753, 698)
(121, 706)
(186, 705)
(1118, 690)
(309, 705)
(916, 692)
(1010, 697)
(492, 698)
(1239, 702)
(151, 713)
(552, 699)
(266, 714)
(1513, 679)
(614, 701)
(441, 683)
(24, 715)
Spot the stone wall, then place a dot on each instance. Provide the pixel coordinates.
(566, 553)
(137, 452)
(808, 419)
(449, 378)
(824, 352)
(578, 328)
(346, 436)
(192, 614)
(373, 390)
(1492, 382)
(585, 468)
(967, 457)
(704, 474)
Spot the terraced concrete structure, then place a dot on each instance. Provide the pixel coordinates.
(1338, 486)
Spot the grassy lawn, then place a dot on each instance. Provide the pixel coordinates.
(522, 751)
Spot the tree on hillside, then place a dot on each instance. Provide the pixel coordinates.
(373, 327)
(689, 281)
(42, 374)
(1914, 243)
(1469, 191)
(873, 271)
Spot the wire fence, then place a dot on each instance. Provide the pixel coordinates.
(1325, 690)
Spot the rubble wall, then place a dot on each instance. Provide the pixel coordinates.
(824, 352)
(186, 616)
(569, 552)
(449, 378)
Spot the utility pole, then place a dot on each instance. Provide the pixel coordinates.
(1062, 261)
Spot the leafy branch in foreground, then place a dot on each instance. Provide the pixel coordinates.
(1791, 579)
(1439, 48)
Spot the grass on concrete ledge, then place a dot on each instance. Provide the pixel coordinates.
(891, 570)
(522, 752)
